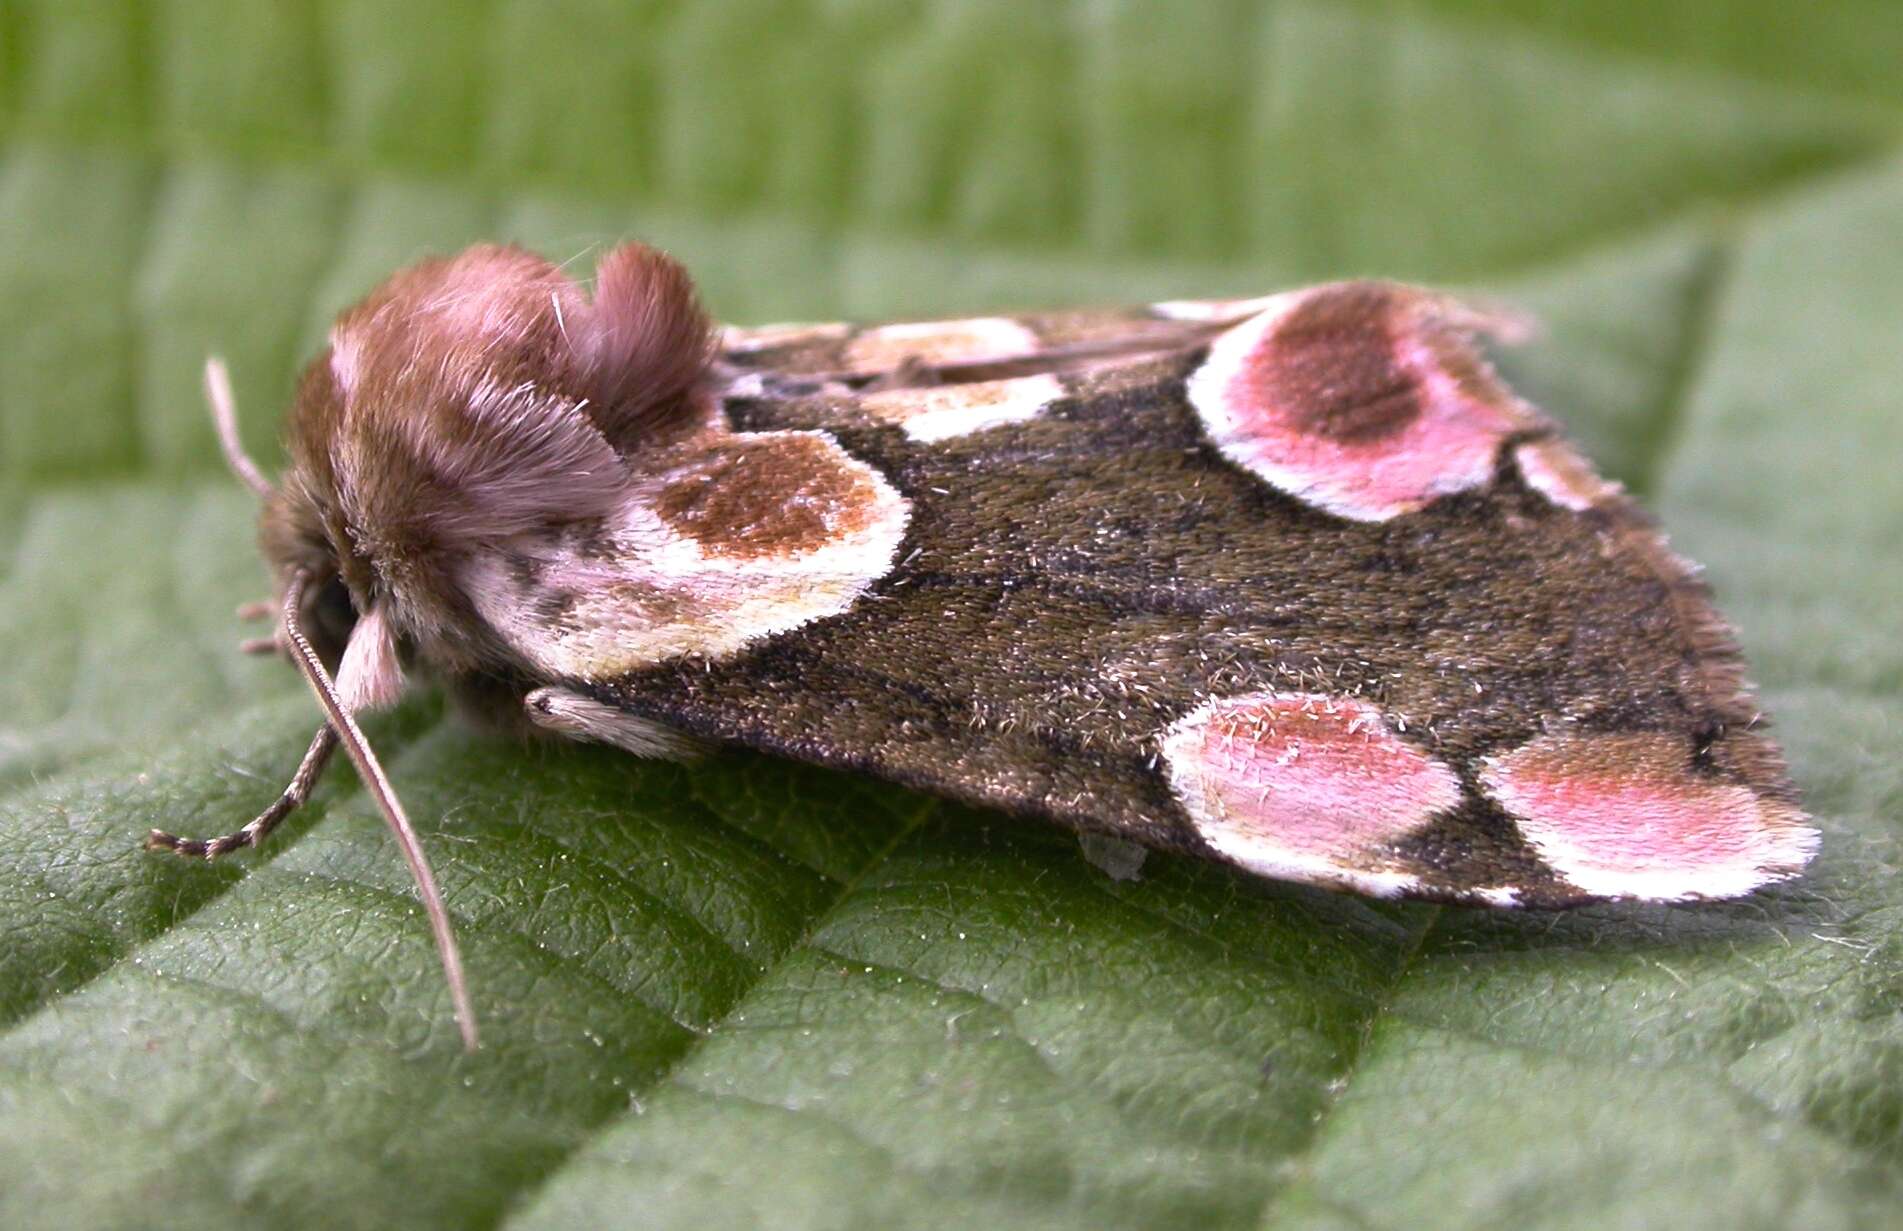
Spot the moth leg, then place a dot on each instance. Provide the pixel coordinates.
(1116, 858)
(308, 770)
(579, 716)
(263, 609)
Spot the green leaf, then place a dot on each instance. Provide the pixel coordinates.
(745, 993)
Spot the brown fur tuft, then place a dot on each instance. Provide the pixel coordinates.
(644, 347)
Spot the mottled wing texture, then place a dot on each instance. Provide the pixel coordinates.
(1293, 582)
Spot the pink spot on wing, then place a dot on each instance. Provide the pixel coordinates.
(1626, 815)
(1365, 399)
(1305, 787)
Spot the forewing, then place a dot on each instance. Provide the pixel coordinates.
(1292, 582)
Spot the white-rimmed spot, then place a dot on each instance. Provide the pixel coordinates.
(658, 581)
(1624, 815)
(1361, 399)
(1305, 787)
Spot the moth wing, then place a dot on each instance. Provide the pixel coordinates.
(972, 348)
(1295, 582)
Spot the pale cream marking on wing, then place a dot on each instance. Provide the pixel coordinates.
(1558, 472)
(745, 385)
(745, 340)
(1216, 311)
(1208, 392)
(942, 412)
(981, 338)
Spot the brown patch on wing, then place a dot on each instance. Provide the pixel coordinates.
(783, 495)
(1332, 361)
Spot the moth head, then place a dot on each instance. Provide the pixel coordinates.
(301, 530)
(465, 401)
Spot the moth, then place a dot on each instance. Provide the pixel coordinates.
(1296, 583)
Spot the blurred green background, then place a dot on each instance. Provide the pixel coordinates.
(746, 994)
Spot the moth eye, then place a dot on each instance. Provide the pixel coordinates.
(329, 615)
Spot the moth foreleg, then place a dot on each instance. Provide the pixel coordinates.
(308, 770)
(1117, 858)
(261, 610)
(579, 716)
